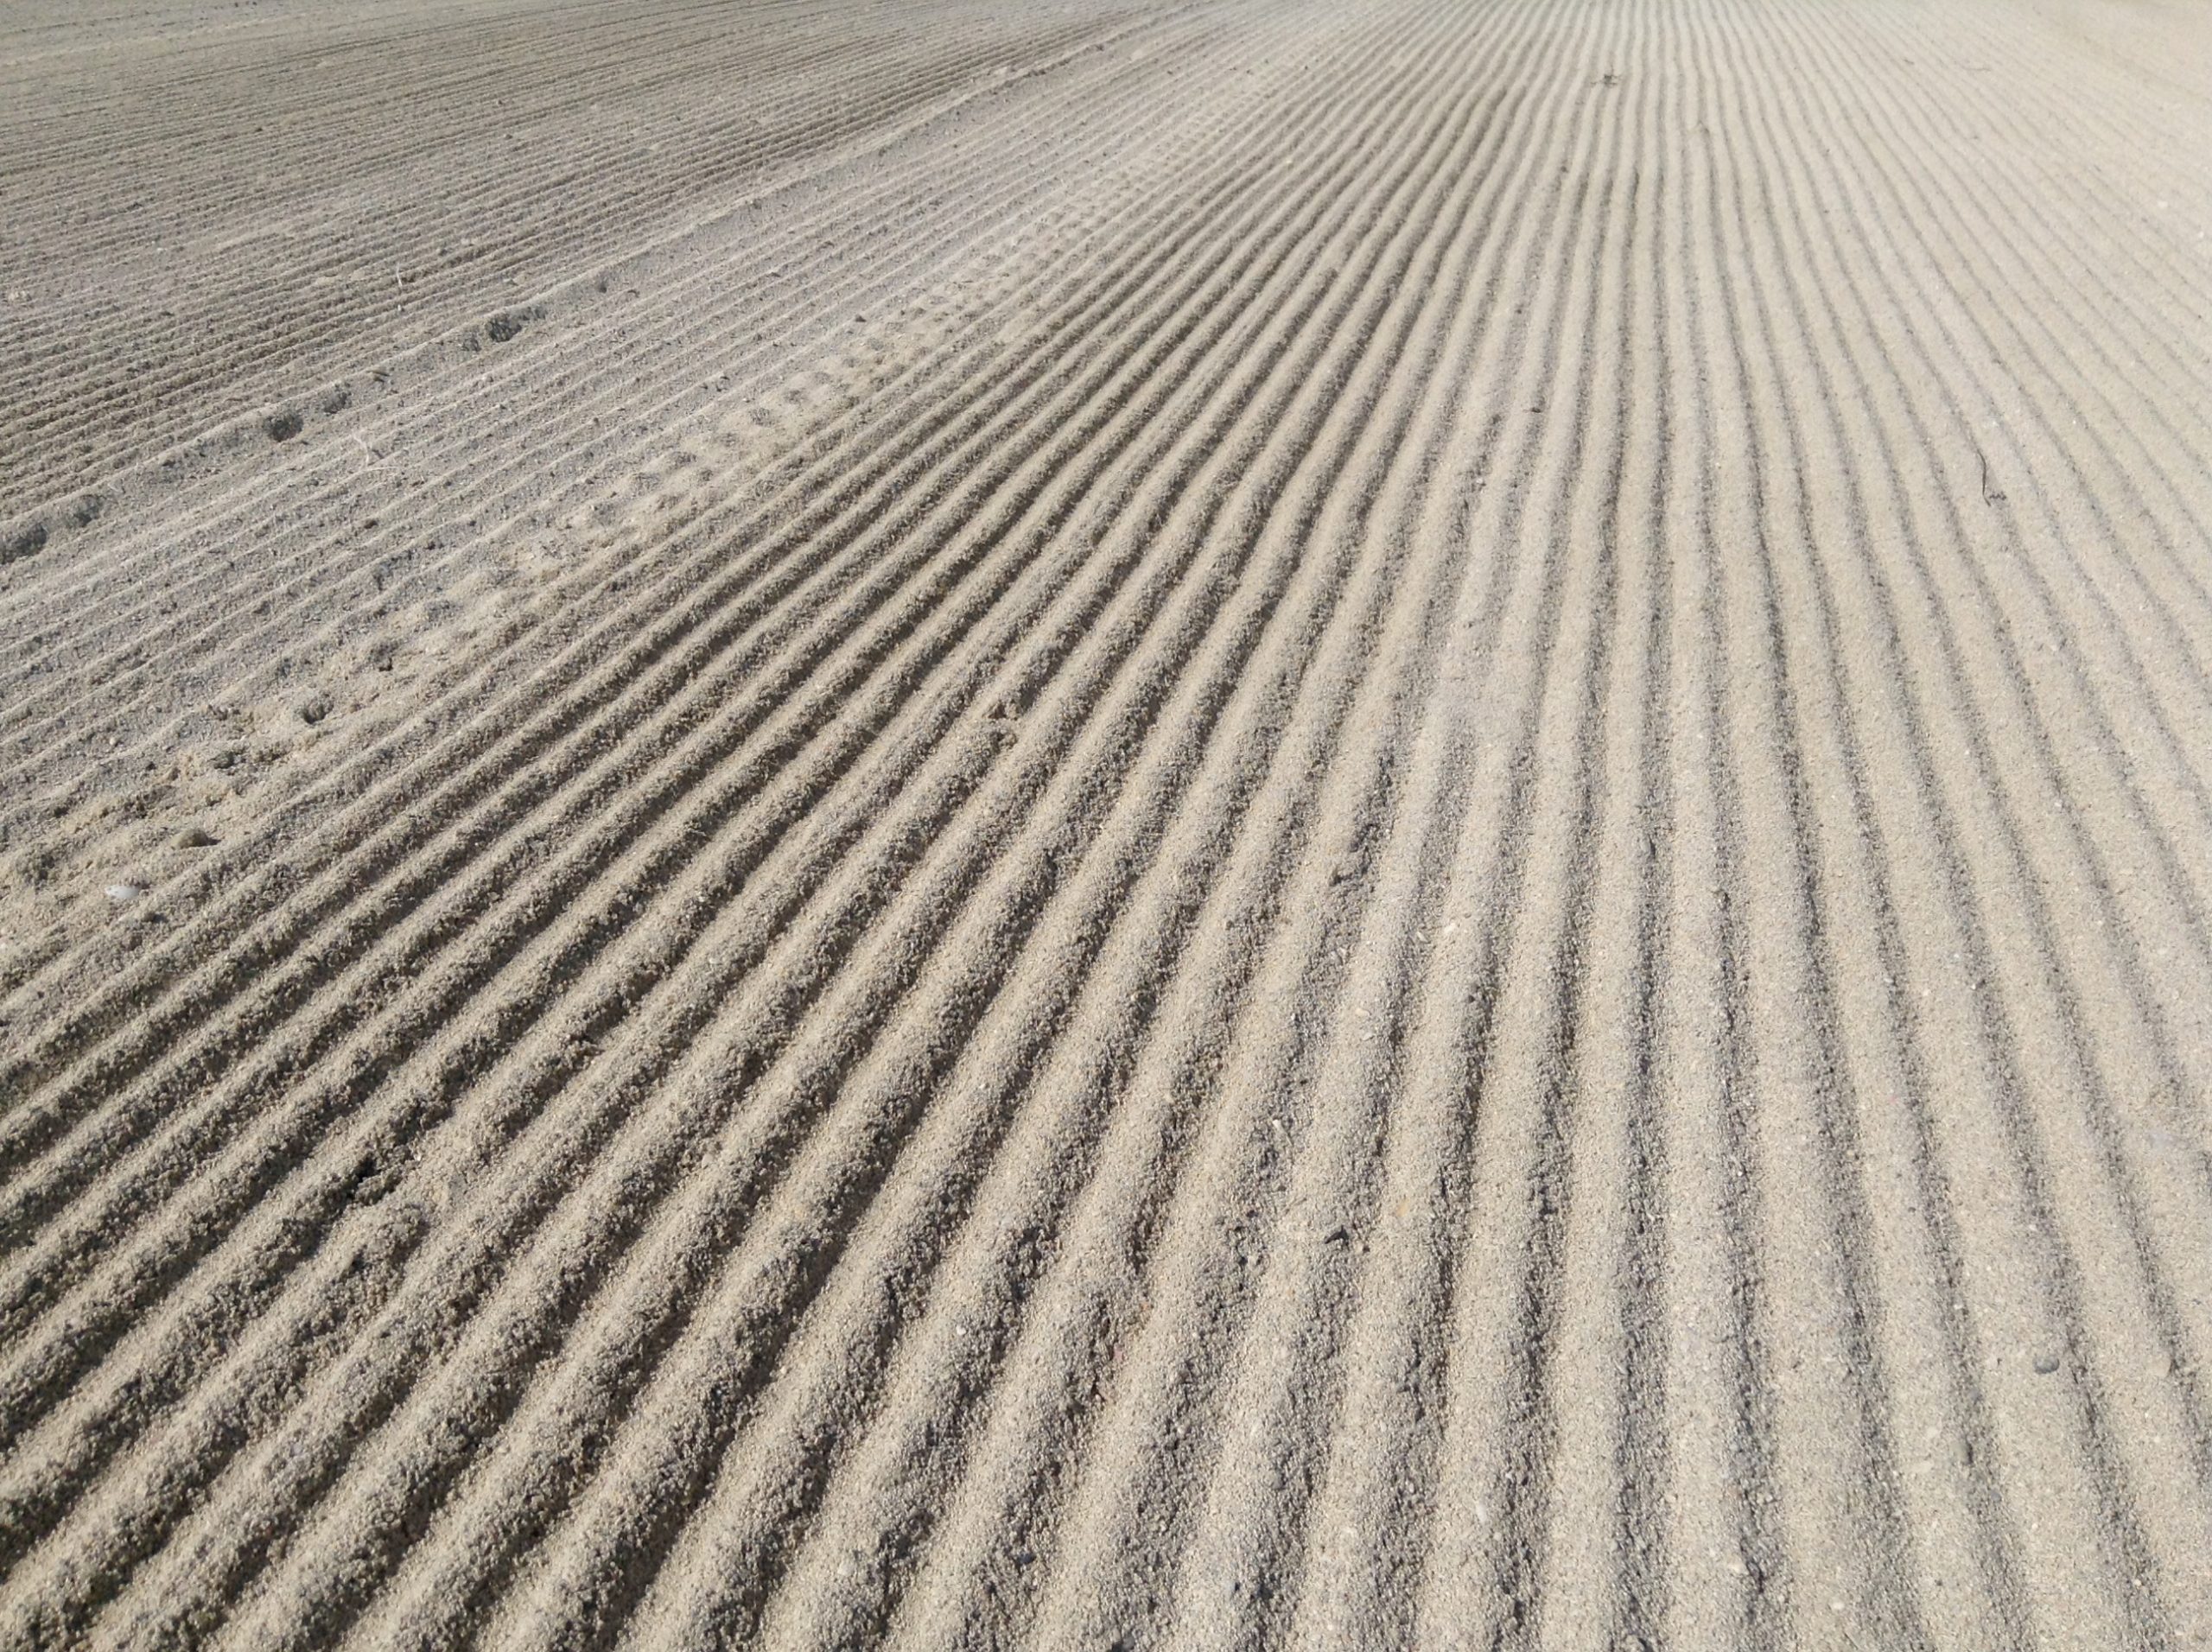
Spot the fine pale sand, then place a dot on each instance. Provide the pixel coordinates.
(1115, 825)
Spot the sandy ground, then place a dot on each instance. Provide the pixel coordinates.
(1213, 824)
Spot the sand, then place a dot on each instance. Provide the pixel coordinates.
(1212, 824)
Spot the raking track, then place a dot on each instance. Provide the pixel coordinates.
(1193, 823)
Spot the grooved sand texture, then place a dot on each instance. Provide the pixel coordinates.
(1213, 824)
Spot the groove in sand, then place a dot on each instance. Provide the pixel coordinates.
(1191, 824)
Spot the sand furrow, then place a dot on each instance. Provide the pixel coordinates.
(1196, 823)
(142, 394)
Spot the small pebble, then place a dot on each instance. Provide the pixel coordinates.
(120, 892)
(2046, 1363)
(196, 837)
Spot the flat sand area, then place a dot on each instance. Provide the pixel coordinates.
(1174, 822)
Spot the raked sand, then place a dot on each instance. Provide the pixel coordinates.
(1214, 824)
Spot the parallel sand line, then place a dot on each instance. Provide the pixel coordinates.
(1446, 884)
(1222, 1135)
(416, 777)
(438, 492)
(457, 56)
(2153, 921)
(1835, 650)
(1243, 1601)
(2158, 605)
(2079, 99)
(865, 1499)
(1258, 1492)
(737, 1589)
(699, 298)
(712, 294)
(124, 624)
(1787, 792)
(647, 595)
(1002, 1453)
(1582, 1534)
(286, 339)
(1363, 1540)
(459, 62)
(753, 1560)
(784, 75)
(621, 581)
(1726, 1558)
(2023, 1062)
(2073, 984)
(78, 463)
(1940, 1409)
(2017, 848)
(1485, 1552)
(1714, 1381)
(2154, 608)
(1609, 1517)
(1830, 931)
(2135, 930)
(1901, 748)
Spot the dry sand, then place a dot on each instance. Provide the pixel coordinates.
(1214, 824)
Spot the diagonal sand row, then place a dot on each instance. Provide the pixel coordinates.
(148, 370)
(459, 450)
(250, 862)
(865, 1501)
(1425, 864)
(2113, 1337)
(459, 464)
(931, 114)
(656, 594)
(1040, 708)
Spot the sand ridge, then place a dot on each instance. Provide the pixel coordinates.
(1207, 824)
